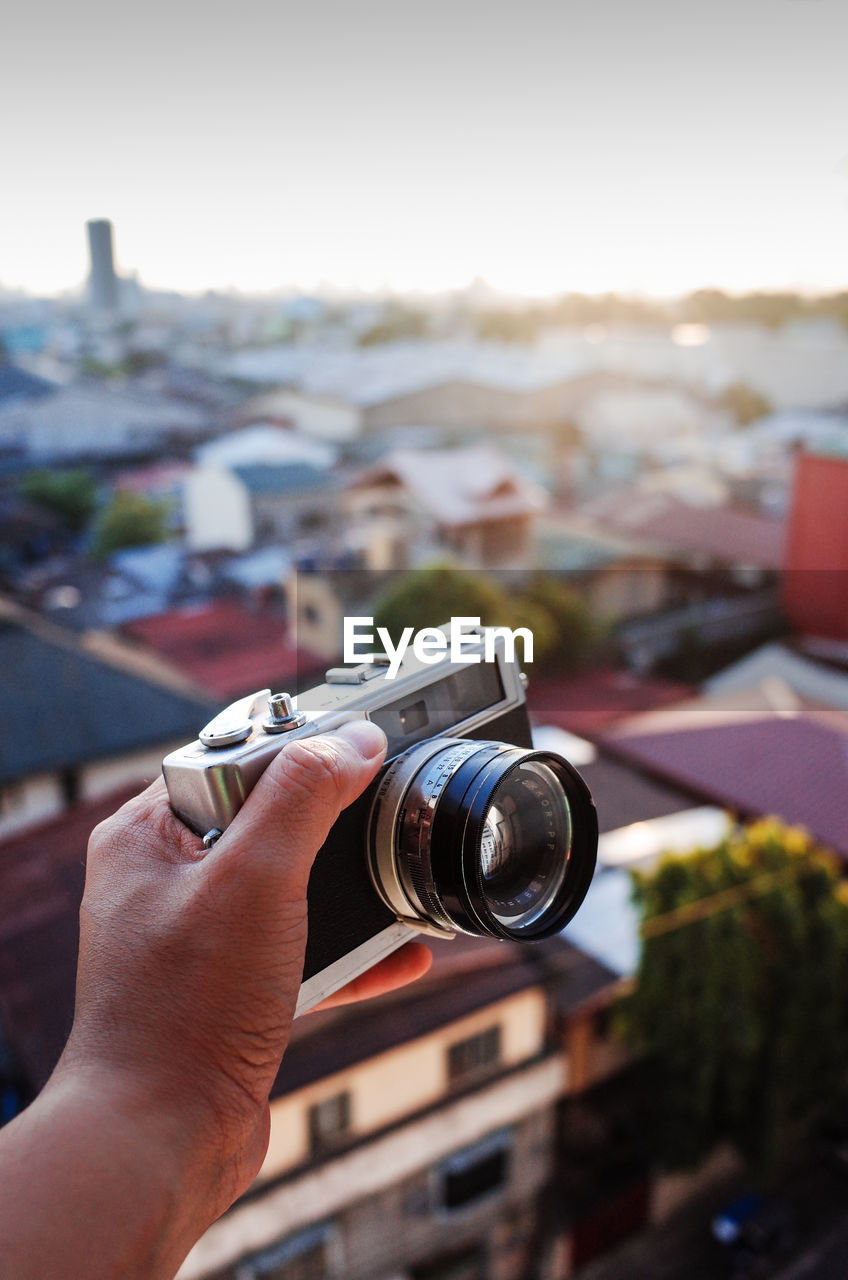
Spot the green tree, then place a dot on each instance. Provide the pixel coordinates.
(740, 997)
(131, 520)
(566, 634)
(71, 495)
(428, 597)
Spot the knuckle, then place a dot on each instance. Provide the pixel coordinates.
(312, 772)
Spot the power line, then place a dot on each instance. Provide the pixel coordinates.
(762, 884)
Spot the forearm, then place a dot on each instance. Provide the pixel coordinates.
(95, 1187)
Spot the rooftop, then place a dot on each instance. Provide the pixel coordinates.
(461, 485)
(282, 478)
(42, 871)
(61, 702)
(227, 648)
(810, 681)
(17, 386)
(722, 534)
(265, 445)
(590, 703)
(467, 974)
(794, 767)
(93, 418)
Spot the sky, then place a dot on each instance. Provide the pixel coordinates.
(646, 146)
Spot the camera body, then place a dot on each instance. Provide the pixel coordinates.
(352, 925)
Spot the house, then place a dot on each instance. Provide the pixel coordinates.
(815, 584)
(777, 673)
(256, 485)
(712, 577)
(80, 717)
(317, 417)
(86, 596)
(470, 501)
(713, 537)
(433, 1109)
(91, 420)
(319, 597)
(617, 578)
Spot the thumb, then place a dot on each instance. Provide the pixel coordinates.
(300, 795)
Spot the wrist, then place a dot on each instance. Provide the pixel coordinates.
(176, 1155)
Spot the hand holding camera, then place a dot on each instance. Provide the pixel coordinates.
(467, 829)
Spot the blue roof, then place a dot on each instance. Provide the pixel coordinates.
(607, 925)
(17, 384)
(63, 707)
(282, 477)
(158, 568)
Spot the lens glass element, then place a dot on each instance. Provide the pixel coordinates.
(483, 837)
(524, 844)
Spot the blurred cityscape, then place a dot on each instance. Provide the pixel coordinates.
(194, 490)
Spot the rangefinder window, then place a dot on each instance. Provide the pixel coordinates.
(447, 703)
(414, 717)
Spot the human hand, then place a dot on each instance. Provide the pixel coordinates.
(191, 961)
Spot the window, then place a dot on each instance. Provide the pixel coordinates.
(475, 1173)
(602, 1023)
(329, 1123)
(470, 1264)
(305, 1256)
(469, 1059)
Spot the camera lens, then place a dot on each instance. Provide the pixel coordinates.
(525, 829)
(483, 838)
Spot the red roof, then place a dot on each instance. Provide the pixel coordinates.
(722, 534)
(227, 648)
(792, 767)
(42, 872)
(590, 703)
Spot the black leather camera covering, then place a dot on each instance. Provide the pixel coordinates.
(344, 908)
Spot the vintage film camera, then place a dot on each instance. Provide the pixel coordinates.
(465, 829)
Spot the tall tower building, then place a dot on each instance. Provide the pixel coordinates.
(102, 280)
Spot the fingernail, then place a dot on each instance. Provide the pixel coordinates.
(368, 738)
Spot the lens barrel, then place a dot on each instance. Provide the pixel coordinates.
(482, 838)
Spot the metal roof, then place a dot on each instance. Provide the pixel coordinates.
(791, 767)
(282, 478)
(64, 707)
(16, 385)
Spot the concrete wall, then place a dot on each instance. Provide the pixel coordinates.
(382, 1196)
(402, 1081)
(217, 510)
